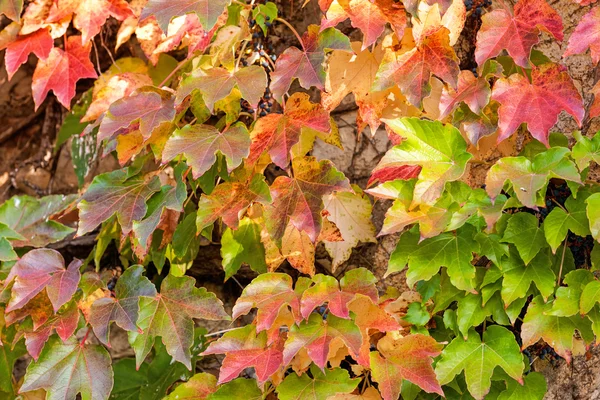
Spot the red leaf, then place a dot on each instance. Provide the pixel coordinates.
(391, 173)
(306, 64)
(277, 133)
(327, 290)
(208, 11)
(64, 324)
(517, 34)
(61, 71)
(538, 103)
(268, 293)
(39, 43)
(413, 69)
(42, 269)
(586, 35)
(245, 348)
(407, 358)
(473, 91)
(299, 200)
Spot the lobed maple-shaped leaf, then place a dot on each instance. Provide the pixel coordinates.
(170, 315)
(524, 232)
(322, 385)
(557, 331)
(533, 388)
(306, 64)
(217, 83)
(208, 11)
(199, 386)
(201, 143)
(115, 193)
(230, 200)
(243, 246)
(586, 150)
(538, 103)
(39, 43)
(298, 249)
(586, 35)
(530, 177)
(269, 293)
(518, 277)
(89, 17)
(412, 70)
(316, 335)
(351, 214)
(568, 297)
(337, 296)
(560, 221)
(243, 348)
(276, 134)
(67, 369)
(12, 9)
(401, 358)
(41, 269)
(438, 149)
(64, 323)
(61, 70)
(517, 33)
(150, 108)
(26, 221)
(478, 359)
(299, 200)
(123, 307)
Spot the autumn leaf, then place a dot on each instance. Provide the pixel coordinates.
(586, 35)
(230, 200)
(529, 177)
(551, 91)
(66, 369)
(41, 269)
(337, 296)
(412, 69)
(115, 193)
(149, 107)
(170, 315)
(439, 149)
(216, 83)
(478, 359)
(306, 64)
(299, 200)
(557, 331)
(321, 386)
(317, 334)
(123, 307)
(39, 43)
(276, 134)
(298, 249)
(12, 9)
(201, 143)
(269, 293)
(409, 358)
(199, 386)
(243, 348)
(516, 33)
(30, 220)
(61, 70)
(208, 11)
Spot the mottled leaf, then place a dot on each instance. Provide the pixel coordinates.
(323, 385)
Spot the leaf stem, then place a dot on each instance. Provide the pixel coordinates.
(283, 21)
(562, 263)
(177, 68)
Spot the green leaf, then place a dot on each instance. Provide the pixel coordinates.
(261, 12)
(237, 389)
(567, 301)
(71, 125)
(559, 222)
(6, 251)
(491, 247)
(478, 359)
(323, 385)
(589, 296)
(471, 312)
(408, 242)
(451, 250)
(170, 315)
(534, 388)
(66, 369)
(528, 177)
(518, 277)
(200, 386)
(8, 357)
(83, 153)
(243, 245)
(593, 214)
(417, 314)
(439, 149)
(557, 331)
(523, 231)
(586, 150)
